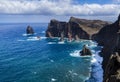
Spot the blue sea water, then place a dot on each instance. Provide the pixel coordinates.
(27, 59)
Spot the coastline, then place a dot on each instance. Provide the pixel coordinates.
(106, 35)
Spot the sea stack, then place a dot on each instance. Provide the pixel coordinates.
(29, 30)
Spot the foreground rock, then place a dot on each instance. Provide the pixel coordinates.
(75, 28)
(29, 30)
(109, 38)
(112, 72)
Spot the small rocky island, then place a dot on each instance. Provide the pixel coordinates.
(29, 30)
(106, 34)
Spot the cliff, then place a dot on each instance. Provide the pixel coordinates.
(105, 33)
(109, 38)
(112, 71)
(76, 28)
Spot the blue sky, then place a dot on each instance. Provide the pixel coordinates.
(23, 11)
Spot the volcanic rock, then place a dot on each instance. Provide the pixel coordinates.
(112, 72)
(109, 38)
(29, 30)
(77, 28)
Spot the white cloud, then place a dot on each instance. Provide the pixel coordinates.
(53, 7)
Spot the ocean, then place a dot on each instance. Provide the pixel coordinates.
(28, 59)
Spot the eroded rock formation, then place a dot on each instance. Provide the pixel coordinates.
(76, 28)
(29, 30)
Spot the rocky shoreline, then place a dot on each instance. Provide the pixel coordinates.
(77, 28)
(105, 33)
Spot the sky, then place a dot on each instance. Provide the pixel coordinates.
(42, 11)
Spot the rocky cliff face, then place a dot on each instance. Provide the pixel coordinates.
(77, 28)
(109, 38)
(112, 71)
(55, 28)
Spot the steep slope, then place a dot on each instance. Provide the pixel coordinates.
(109, 38)
(77, 28)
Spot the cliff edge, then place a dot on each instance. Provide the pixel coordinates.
(76, 28)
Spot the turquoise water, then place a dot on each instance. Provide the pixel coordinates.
(27, 59)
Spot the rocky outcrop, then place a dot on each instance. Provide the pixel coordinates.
(75, 28)
(85, 51)
(109, 38)
(112, 72)
(55, 28)
(29, 30)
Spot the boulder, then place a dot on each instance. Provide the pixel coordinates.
(85, 51)
(29, 30)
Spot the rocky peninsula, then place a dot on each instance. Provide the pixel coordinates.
(106, 34)
(77, 28)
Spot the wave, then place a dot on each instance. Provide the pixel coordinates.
(96, 72)
(20, 40)
(96, 69)
(77, 54)
(53, 79)
(28, 34)
(56, 42)
(51, 43)
(33, 39)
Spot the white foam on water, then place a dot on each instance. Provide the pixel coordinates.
(62, 42)
(51, 43)
(24, 34)
(75, 74)
(53, 79)
(93, 60)
(92, 44)
(70, 71)
(21, 40)
(93, 51)
(51, 60)
(33, 38)
(28, 34)
(56, 42)
(75, 53)
(43, 37)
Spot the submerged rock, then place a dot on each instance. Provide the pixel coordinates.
(112, 72)
(29, 30)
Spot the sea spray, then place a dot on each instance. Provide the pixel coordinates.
(96, 70)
